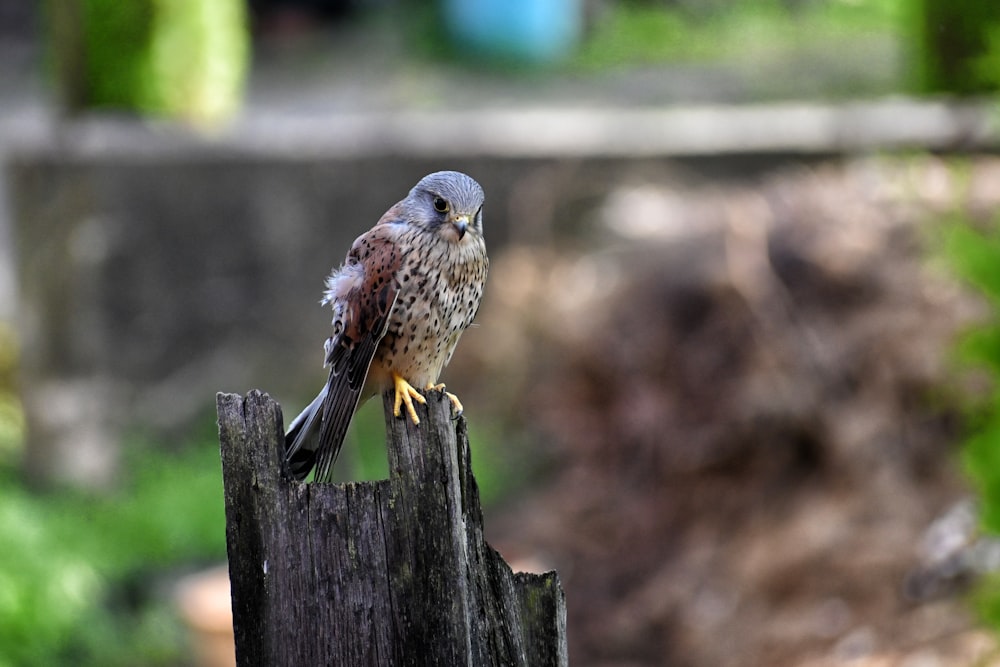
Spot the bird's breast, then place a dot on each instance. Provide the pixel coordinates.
(439, 294)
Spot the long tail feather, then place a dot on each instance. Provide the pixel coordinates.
(302, 438)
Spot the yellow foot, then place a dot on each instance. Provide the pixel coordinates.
(405, 393)
(455, 403)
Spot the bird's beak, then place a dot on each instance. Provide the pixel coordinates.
(461, 223)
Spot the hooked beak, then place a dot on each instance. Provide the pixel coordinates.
(461, 223)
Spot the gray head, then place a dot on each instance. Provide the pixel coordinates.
(447, 201)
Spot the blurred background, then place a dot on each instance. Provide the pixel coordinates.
(734, 375)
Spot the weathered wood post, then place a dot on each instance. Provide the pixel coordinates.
(393, 572)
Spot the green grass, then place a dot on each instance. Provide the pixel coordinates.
(364, 456)
(11, 414)
(840, 48)
(640, 32)
(85, 579)
(973, 252)
(975, 256)
(180, 59)
(647, 33)
(82, 576)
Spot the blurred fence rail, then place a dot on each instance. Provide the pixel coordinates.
(548, 132)
(394, 572)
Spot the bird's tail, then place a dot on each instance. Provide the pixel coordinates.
(302, 439)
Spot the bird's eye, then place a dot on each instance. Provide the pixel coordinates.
(440, 205)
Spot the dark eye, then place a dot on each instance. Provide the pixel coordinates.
(440, 205)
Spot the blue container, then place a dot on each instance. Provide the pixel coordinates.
(531, 30)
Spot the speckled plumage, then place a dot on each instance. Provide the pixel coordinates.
(408, 289)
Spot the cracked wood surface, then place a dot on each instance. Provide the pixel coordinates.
(391, 572)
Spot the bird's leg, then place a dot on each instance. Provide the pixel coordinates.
(455, 403)
(405, 393)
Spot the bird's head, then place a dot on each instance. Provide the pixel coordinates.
(447, 202)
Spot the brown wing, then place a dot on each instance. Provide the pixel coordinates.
(362, 293)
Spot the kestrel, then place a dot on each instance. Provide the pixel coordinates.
(408, 289)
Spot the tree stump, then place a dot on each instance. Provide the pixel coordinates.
(392, 572)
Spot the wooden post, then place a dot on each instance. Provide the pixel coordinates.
(393, 572)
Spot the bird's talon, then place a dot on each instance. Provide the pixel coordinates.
(455, 404)
(406, 394)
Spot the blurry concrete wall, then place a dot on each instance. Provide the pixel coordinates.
(151, 278)
(156, 268)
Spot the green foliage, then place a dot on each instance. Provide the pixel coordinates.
(11, 414)
(75, 568)
(364, 448)
(496, 470)
(643, 33)
(955, 45)
(985, 599)
(986, 67)
(497, 463)
(975, 256)
(639, 33)
(178, 58)
(116, 38)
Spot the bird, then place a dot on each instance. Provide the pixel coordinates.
(408, 289)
